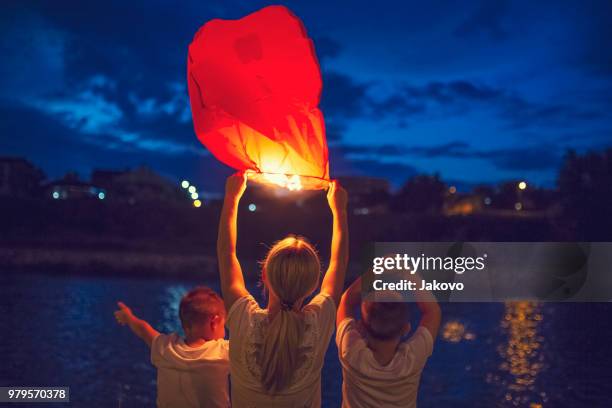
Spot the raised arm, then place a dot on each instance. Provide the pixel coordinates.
(230, 272)
(333, 281)
(429, 308)
(139, 327)
(349, 302)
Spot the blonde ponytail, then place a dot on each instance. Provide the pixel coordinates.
(292, 270)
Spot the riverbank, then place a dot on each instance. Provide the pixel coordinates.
(107, 263)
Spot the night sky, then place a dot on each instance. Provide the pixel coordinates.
(479, 91)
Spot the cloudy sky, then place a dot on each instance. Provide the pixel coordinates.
(479, 91)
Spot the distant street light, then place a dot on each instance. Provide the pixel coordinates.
(184, 184)
(522, 185)
(452, 189)
(252, 207)
(518, 206)
(192, 189)
(194, 196)
(197, 203)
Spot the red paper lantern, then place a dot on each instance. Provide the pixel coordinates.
(254, 87)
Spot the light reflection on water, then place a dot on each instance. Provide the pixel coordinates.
(455, 331)
(170, 300)
(522, 356)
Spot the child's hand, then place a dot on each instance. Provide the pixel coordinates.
(337, 196)
(235, 185)
(124, 315)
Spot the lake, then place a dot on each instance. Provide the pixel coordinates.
(60, 331)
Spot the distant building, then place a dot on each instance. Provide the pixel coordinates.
(367, 195)
(71, 188)
(106, 178)
(19, 178)
(138, 185)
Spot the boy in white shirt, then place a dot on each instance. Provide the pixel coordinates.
(378, 369)
(191, 372)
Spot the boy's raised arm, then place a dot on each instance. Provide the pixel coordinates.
(232, 280)
(349, 302)
(429, 308)
(333, 281)
(139, 327)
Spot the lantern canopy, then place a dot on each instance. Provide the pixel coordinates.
(254, 87)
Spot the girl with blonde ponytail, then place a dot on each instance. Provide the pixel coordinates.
(276, 353)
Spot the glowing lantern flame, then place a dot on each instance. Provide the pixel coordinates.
(254, 88)
(292, 183)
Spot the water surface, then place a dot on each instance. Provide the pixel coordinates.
(60, 331)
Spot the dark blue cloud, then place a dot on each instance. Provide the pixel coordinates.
(486, 20)
(63, 149)
(535, 157)
(595, 35)
(459, 96)
(342, 96)
(327, 48)
(341, 165)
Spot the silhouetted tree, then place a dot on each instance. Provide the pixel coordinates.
(508, 194)
(585, 186)
(422, 193)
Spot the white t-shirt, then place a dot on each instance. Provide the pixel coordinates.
(247, 323)
(190, 376)
(367, 383)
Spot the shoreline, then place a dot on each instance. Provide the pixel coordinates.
(105, 262)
